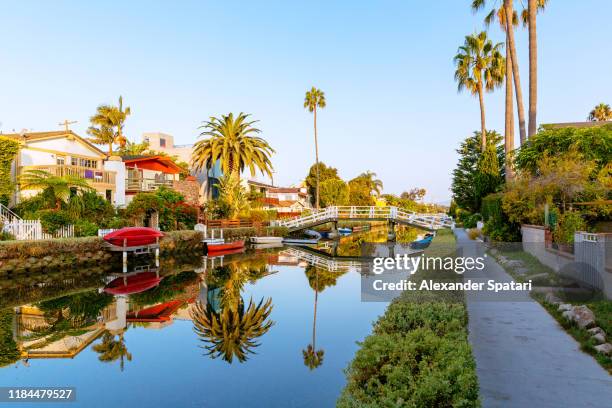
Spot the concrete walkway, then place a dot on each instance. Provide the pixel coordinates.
(523, 357)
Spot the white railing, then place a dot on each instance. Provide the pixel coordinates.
(429, 221)
(332, 265)
(31, 230)
(7, 215)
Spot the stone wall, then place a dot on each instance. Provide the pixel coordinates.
(190, 189)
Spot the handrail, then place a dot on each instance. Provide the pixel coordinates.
(334, 213)
(7, 215)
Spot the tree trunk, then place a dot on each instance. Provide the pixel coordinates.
(110, 149)
(533, 67)
(515, 70)
(509, 125)
(483, 128)
(314, 320)
(316, 158)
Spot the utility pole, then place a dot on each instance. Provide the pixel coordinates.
(66, 123)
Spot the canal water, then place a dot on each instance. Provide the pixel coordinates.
(269, 327)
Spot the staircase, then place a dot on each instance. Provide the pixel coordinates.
(7, 216)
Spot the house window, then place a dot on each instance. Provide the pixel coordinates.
(109, 195)
(60, 160)
(74, 161)
(162, 142)
(92, 164)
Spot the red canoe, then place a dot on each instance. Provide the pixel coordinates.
(215, 254)
(133, 236)
(226, 246)
(133, 284)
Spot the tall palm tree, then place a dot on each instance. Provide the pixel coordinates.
(479, 68)
(232, 140)
(109, 117)
(60, 186)
(508, 17)
(600, 113)
(529, 19)
(313, 358)
(315, 98)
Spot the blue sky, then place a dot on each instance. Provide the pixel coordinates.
(386, 68)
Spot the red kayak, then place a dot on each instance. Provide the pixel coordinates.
(226, 246)
(215, 254)
(133, 284)
(133, 236)
(158, 313)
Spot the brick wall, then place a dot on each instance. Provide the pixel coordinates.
(189, 188)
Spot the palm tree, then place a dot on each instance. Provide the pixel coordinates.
(61, 187)
(102, 134)
(109, 118)
(508, 17)
(313, 358)
(480, 68)
(233, 331)
(373, 183)
(600, 113)
(112, 350)
(529, 18)
(315, 98)
(232, 140)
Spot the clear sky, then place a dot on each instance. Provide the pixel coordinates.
(385, 67)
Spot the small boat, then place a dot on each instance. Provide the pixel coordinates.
(215, 254)
(268, 246)
(133, 237)
(266, 240)
(133, 284)
(345, 231)
(224, 246)
(422, 243)
(300, 241)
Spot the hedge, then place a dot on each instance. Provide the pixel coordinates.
(8, 348)
(418, 354)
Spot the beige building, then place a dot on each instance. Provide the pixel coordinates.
(163, 142)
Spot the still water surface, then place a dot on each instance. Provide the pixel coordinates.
(195, 339)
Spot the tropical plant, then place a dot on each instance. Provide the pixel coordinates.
(233, 195)
(315, 98)
(313, 358)
(529, 19)
(133, 149)
(107, 125)
(601, 113)
(112, 349)
(508, 19)
(232, 140)
(479, 68)
(61, 187)
(8, 150)
(374, 185)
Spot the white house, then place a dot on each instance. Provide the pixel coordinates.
(66, 153)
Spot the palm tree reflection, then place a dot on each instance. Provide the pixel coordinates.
(227, 328)
(112, 349)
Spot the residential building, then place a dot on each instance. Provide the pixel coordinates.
(148, 173)
(65, 153)
(287, 201)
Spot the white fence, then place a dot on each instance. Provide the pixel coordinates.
(31, 230)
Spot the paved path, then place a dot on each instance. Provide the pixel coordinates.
(523, 357)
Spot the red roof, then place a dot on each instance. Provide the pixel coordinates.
(155, 163)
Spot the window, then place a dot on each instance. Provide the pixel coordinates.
(109, 195)
(60, 160)
(74, 161)
(89, 163)
(162, 142)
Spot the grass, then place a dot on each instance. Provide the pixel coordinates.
(544, 275)
(418, 354)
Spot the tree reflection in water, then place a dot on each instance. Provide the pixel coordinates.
(112, 349)
(231, 329)
(318, 279)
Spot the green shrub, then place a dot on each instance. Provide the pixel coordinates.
(8, 150)
(8, 348)
(84, 228)
(569, 223)
(497, 226)
(53, 220)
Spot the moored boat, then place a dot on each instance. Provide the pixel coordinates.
(266, 240)
(225, 246)
(133, 284)
(133, 237)
(298, 241)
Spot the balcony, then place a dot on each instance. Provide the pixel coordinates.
(138, 184)
(96, 177)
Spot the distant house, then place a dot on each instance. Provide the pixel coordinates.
(148, 173)
(208, 180)
(64, 153)
(287, 201)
